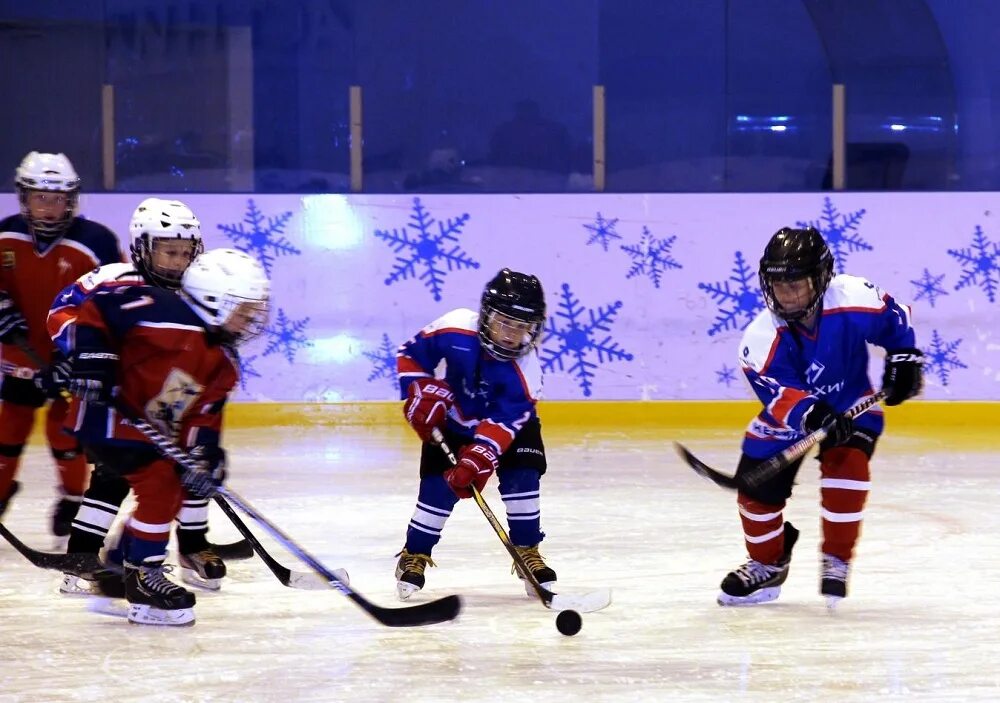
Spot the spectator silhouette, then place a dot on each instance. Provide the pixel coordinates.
(529, 140)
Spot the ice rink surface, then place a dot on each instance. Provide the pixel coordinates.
(620, 510)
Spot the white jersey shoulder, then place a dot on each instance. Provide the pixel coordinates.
(109, 272)
(758, 340)
(460, 319)
(852, 292)
(531, 371)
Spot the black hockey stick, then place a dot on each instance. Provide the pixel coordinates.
(766, 470)
(305, 580)
(440, 610)
(240, 549)
(76, 563)
(585, 603)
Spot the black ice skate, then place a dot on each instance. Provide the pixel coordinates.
(153, 598)
(63, 513)
(833, 579)
(543, 573)
(755, 582)
(4, 502)
(203, 568)
(410, 573)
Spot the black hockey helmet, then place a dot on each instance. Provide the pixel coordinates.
(794, 254)
(509, 297)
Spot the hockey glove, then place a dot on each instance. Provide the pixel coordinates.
(54, 378)
(838, 427)
(903, 377)
(12, 322)
(205, 481)
(476, 463)
(428, 401)
(93, 374)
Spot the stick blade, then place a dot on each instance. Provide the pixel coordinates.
(581, 603)
(441, 610)
(311, 581)
(703, 469)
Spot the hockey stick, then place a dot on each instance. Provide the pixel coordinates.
(240, 549)
(76, 563)
(753, 477)
(305, 580)
(585, 603)
(440, 610)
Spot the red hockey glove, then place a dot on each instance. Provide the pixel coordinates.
(427, 404)
(476, 463)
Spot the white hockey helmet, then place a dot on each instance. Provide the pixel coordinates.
(158, 220)
(50, 173)
(229, 290)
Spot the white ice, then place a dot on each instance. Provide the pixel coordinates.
(620, 510)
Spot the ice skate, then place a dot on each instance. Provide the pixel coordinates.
(153, 598)
(109, 583)
(204, 569)
(755, 582)
(833, 580)
(543, 573)
(410, 573)
(63, 513)
(15, 486)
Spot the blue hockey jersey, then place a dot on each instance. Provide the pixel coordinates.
(790, 367)
(493, 398)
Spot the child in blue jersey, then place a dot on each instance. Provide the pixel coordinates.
(806, 359)
(484, 402)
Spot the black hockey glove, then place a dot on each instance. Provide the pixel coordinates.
(838, 427)
(12, 322)
(93, 374)
(205, 481)
(54, 378)
(903, 377)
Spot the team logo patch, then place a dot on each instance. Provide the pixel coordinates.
(7, 259)
(814, 371)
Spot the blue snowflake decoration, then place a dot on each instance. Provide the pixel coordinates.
(940, 358)
(839, 231)
(427, 248)
(247, 371)
(286, 336)
(576, 338)
(602, 231)
(383, 361)
(650, 257)
(264, 240)
(736, 307)
(980, 264)
(726, 375)
(929, 287)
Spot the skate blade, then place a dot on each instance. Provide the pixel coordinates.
(72, 585)
(192, 578)
(832, 602)
(764, 595)
(405, 590)
(148, 615)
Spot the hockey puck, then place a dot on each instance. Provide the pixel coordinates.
(569, 622)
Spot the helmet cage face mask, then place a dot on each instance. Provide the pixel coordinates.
(244, 319)
(47, 173)
(505, 336)
(144, 257)
(806, 258)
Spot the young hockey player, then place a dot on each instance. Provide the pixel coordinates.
(485, 404)
(167, 357)
(42, 250)
(166, 238)
(806, 359)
